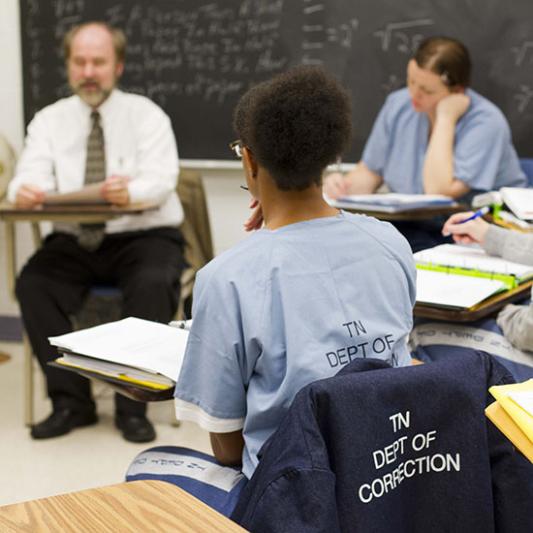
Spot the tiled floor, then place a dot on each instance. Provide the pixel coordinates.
(85, 458)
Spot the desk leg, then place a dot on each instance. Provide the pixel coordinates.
(36, 231)
(28, 381)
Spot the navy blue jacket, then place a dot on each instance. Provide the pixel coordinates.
(392, 450)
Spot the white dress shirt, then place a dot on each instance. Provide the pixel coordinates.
(139, 143)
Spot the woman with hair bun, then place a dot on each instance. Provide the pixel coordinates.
(436, 136)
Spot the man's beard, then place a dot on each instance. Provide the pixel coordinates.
(93, 97)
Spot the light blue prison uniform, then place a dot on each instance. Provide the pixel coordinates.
(484, 156)
(286, 307)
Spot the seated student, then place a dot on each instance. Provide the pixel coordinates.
(516, 321)
(436, 136)
(300, 298)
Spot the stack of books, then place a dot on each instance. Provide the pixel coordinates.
(512, 414)
(518, 200)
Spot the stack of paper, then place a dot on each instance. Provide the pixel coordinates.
(391, 202)
(519, 201)
(135, 350)
(512, 413)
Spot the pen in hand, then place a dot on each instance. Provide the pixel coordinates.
(479, 213)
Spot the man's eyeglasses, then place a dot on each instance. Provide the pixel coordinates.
(237, 147)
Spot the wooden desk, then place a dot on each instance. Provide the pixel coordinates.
(482, 310)
(137, 506)
(92, 213)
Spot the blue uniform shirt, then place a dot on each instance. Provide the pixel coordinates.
(484, 157)
(286, 307)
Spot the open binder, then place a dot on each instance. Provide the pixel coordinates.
(461, 277)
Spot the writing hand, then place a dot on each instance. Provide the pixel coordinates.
(255, 220)
(472, 231)
(29, 196)
(336, 185)
(115, 190)
(453, 106)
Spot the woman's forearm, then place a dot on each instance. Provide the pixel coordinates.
(438, 165)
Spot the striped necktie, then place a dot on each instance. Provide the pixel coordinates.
(91, 235)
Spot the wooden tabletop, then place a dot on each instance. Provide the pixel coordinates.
(423, 213)
(146, 505)
(71, 213)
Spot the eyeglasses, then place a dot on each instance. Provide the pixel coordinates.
(237, 147)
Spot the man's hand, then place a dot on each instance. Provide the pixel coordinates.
(115, 190)
(453, 106)
(473, 231)
(255, 221)
(336, 185)
(29, 196)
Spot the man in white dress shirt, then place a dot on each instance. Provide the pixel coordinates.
(125, 142)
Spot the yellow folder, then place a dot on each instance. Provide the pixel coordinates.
(522, 418)
(499, 417)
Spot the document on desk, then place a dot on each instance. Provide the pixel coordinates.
(519, 201)
(391, 202)
(455, 292)
(90, 194)
(143, 349)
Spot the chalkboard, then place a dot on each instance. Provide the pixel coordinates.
(195, 58)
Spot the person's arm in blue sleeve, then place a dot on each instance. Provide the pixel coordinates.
(439, 171)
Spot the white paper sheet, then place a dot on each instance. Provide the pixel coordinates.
(131, 341)
(441, 289)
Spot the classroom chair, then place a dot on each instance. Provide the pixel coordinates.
(527, 167)
(374, 448)
(103, 303)
(7, 165)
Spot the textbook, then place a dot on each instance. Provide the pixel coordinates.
(132, 350)
(392, 202)
(474, 262)
(512, 414)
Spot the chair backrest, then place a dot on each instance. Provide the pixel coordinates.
(7, 165)
(196, 228)
(382, 449)
(527, 167)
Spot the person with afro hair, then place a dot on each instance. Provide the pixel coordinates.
(303, 296)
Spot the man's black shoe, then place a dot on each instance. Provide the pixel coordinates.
(135, 428)
(61, 421)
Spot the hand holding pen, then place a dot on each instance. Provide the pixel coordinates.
(467, 228)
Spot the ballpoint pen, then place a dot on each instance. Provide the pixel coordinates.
(477, 214)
